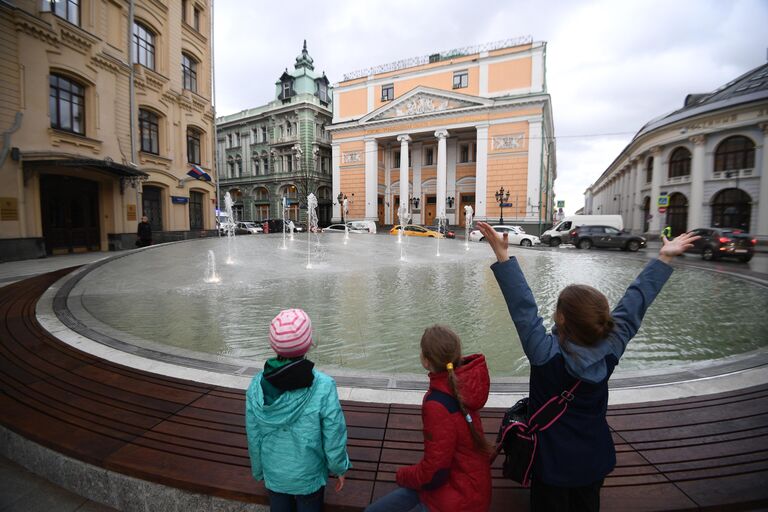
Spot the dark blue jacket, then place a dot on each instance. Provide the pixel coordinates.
(578, 449)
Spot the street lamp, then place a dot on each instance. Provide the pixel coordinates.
(502, 198)
(449, 201)
(415, 203)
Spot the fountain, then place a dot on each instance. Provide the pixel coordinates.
(210, 272)
(440, 222)
(468, 214)
(311, 226)
(229, 228)
(402, 215)
(283, 208)
(345, 206)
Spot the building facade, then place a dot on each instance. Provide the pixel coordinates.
(446, 131)
(702, 165)
(281, 149)
(105, 106)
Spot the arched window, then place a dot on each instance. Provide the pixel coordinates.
(261, 194)
(231, 167)
(239, 162)
(143, 45)
(149, 131)
(735, 153)
(649, 169)
(324, 193)
(66, 101)
(731, 208)
(189, 71)
(680, 163)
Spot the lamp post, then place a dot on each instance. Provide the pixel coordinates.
(502, 198)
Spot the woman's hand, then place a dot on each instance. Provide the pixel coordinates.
(676, 246)
(499, 244)
(339, 483)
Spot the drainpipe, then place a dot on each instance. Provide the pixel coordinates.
(214, 146)
(132, 107)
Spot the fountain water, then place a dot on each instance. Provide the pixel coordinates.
(469, 213)
(345, 206)
(311, 225)
(229, 228)
(291, 228)
(440, 222)
(210, 272)
(283, 208)
(402, 214)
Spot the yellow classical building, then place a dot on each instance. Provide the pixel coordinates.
(446, 131)
(105, 105)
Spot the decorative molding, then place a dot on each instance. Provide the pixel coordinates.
(403, 138)
(441, 134)
(61, 138)
(351, 157)
(35, 28)
(698, 139)
(512, 141)
(764, 127)
(109, 63)
(156, 160)
(76, 39)
(420, 104)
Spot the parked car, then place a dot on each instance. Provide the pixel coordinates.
(586, 237)
(340, 228)
(448, 233)
(276, 226)
(724, 243)
(516, 236)
(248, 227)
(561, 232)
(414, 230)
(368, 225)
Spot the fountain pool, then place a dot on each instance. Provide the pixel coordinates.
(369, 308)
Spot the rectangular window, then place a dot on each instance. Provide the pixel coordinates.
(196, 19)
(266, 165)
(397, 159)
(322, 91)
(65, 9)
(189, 72)
(289, 164)
(263, 134)
(464, 153)
(143, 46)
(460, 79)
(149, 132)
(66, 103)
(286, 90)
(388, 92)
(193, 147)
(429, 156)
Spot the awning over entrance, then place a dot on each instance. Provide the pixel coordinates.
(106, 165)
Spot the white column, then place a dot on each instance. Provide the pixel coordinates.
(451, 157)
(403, 140)
(416, 166)
(534, 170)
(335, 180)
(762, 202)
(657, 218)
(481, 172)
(441, 172)
(626, 202)
(371, 179)
(637, 203)
(698, 168)
(388, 197)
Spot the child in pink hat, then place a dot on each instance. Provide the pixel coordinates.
(296, 432)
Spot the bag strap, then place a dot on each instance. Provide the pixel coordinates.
(551, 410)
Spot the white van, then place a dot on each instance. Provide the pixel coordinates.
(560, 233)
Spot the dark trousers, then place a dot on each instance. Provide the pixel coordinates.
(549, 498)
(279, 502)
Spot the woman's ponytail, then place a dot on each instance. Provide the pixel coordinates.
(477, 439)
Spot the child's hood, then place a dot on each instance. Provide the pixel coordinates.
(474, 382)
(286, 409)
(586, 363)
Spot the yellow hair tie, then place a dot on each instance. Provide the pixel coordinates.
(449, 366)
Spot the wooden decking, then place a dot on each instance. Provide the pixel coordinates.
(707, 452)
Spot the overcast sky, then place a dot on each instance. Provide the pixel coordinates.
(611, 65)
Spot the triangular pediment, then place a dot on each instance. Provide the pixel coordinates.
(424, 101)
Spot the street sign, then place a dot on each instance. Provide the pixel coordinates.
(506, 205)
(662, 209)
(561, 204)
(663, 200)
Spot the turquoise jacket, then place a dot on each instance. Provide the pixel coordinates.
(299, 439)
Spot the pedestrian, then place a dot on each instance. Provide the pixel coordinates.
(666, 232)
(144, 233)
(576, 453)
(296, 432)
(454, 473)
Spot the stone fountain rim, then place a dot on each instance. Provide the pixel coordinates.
(55, 314)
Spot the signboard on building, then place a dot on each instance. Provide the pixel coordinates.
(131, 212)
(179, 200)
(9, 208)
(663, 200)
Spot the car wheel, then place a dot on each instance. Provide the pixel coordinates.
(708, 254)
(633, 245)
(745, 259)
(554, 242)
(525, 242)
(585, 243)
(482, 240)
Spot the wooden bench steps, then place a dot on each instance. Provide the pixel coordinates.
(707, 452)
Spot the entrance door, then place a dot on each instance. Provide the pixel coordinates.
(151, 207)
(381, 210)
(465, 200)
(677, 214)
(70, 211)
(430, 210)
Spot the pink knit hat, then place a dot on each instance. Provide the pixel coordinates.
(290, 333)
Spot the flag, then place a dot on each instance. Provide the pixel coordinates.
(198, 173)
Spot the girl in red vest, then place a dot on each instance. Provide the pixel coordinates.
(454, 473)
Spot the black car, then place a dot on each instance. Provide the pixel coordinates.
(605, 236)
(723, 242)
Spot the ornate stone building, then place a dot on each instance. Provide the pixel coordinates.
(702, 165)
(446, 131)
(105, 106)
(280, 149)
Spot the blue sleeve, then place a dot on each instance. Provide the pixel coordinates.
(629, 312)
(334, 430)
(253, 434)
(538, 345)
